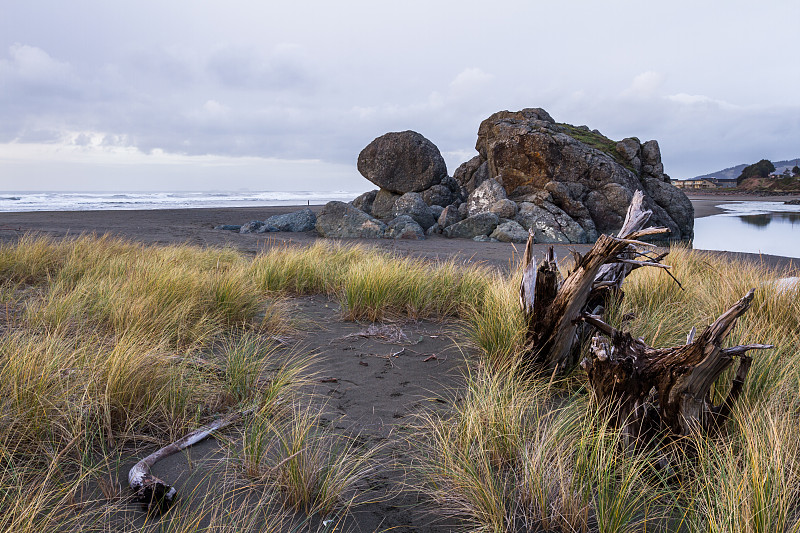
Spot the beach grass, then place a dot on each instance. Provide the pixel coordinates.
(110, 348)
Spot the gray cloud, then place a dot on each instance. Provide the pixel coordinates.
(319, 82)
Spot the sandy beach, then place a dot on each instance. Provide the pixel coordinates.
(372, 386)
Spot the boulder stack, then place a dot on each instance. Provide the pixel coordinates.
(566, 184)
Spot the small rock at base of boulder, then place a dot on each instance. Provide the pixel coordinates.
(303, 220)
(483, 238)
(433, 230)
(229, 227)
(480, 224)
(364, 201)
(504, 208)
(438, 195)
(510, 232)
(550, 224)
(449, 216)
(412, 204)
(341, 220)
(405, 227)
(482, 198)
(251, 227)
(383, 204)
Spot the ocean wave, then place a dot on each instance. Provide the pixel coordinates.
(94, 201)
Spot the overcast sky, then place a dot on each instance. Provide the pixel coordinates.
(267, 95)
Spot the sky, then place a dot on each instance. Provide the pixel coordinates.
(266, 95)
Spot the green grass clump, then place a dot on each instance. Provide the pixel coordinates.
(518, 455)
(749, 479)
(180, 294)
(108, 344)
(370, 284)
(309, 471)
(317, 269)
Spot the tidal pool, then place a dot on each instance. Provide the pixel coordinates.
(755, 227)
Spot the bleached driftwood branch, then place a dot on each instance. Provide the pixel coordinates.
(153, 493)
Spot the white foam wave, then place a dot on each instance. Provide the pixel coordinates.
(91, 201)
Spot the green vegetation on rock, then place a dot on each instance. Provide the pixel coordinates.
(596, 140)
(761, 169)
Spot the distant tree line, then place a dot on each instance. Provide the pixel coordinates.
(762, 169)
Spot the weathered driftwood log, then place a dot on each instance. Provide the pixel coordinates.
(153, 493)
(610, 277)
(655, 389)
(553, 308)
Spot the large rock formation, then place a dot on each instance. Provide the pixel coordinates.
(402, 162)
(587, 177)
(566, 184)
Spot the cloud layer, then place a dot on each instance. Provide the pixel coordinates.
(318, 81)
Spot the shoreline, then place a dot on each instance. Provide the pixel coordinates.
(195, 226)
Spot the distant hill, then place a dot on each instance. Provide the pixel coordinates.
(733, 172)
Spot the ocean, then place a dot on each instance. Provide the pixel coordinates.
(95, 201)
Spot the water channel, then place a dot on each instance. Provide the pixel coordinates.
(755, 227)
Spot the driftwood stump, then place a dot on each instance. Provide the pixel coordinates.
(653, 390)
(553, 308)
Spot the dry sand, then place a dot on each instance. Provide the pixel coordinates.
(368, 387)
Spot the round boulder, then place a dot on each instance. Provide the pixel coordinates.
(402, 162)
